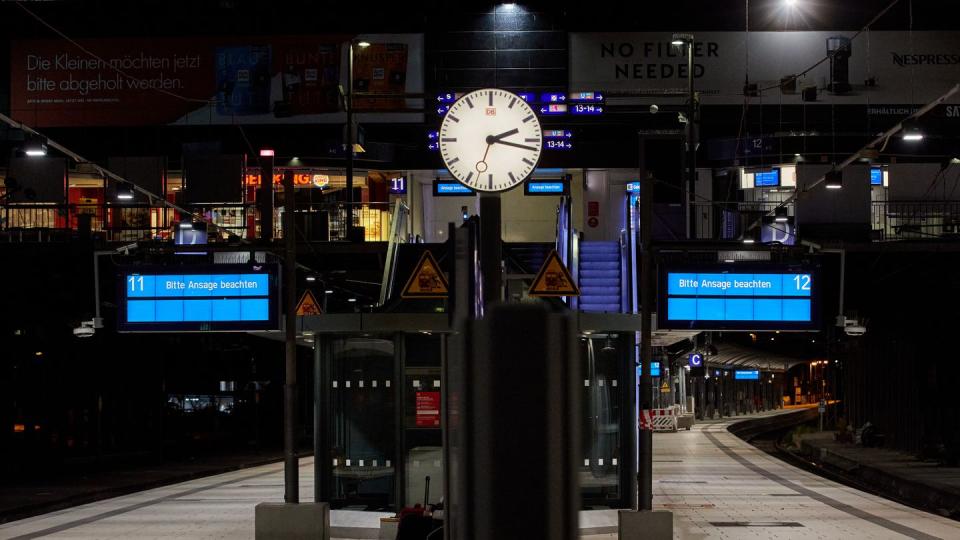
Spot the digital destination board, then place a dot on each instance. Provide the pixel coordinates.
(746, 375)
(754, 298)
(545, 187)
(451, 188)
(654, 369)
(197, 298)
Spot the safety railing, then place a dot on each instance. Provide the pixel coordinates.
(915, 220)
(398, 235)
(131, 222)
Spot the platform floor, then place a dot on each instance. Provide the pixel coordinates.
(717, 486)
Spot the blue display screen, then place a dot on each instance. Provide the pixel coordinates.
(586, 109)
(876, 176)
(746, 375)
(766, 179)
(633, 187)
(551, 144)
(398, 185)
(553, 97)
(541, 187)
(594, 97)
(198, 298)
(451, 188)
(654, 369)
(528, 97)
(447, 98)
(724, 300)
(553, 109)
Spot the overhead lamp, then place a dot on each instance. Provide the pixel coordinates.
(185, 225)
(328, 291)
(124, 192)
(363, 44)
(35, 146)
(781, 214)
(911, 131)
(749, 240)
(351, 299)
(311, 278)
(681, 39)
(267, 152)
(834, 179)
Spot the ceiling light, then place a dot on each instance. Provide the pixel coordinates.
(749, 241)
(266, 152)
(834, 179)
(328, 291)
(35, 146)
(906, 137)
(781, 214)
(351, 299)
(311, 278)
(363, 44)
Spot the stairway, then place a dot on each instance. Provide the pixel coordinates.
(530, 255)
(600, 277)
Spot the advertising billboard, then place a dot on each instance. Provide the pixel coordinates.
(752, 297)
(212, 80)
(198, 298)
(878, 69)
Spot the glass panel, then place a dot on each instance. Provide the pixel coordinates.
(600, 468)
(421, 420)
(363, 424)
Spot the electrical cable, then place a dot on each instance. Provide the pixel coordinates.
(864, 28)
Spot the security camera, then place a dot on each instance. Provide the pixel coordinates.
(654, 109)
(86, 329)
(853, 327)
(855, 330)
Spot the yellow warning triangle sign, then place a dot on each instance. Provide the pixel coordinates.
(664, 387)
(308, 304)
(553, 279)
(427, 281)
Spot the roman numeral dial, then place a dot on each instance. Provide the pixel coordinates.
(490, 140)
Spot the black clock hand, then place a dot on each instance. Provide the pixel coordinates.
(525, 147)
(495, 138)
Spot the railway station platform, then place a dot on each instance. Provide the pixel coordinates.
(717, 486)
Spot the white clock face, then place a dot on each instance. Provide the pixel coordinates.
(490, 140)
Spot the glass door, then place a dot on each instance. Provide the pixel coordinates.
(362, 426)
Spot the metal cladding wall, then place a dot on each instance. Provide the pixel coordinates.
(506, 47)
(899, 375)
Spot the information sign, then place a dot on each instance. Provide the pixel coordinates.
(197, 298)
(758, 297)
(746, 375)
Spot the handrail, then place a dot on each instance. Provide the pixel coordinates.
(398, 223)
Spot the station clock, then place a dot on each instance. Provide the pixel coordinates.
(490, 140)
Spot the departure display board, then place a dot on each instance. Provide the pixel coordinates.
(746, 375)
(748, 298)
(198, 298)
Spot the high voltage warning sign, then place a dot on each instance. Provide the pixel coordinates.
(427, 281)
(308, 304)
(553, 279)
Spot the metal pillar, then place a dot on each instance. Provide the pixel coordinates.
(691, 147)
(265, 198)
(291, 487)
(321, 420)
(348, 105)
(491, 247)
(628, 420)
(645, 436)
(399, 396)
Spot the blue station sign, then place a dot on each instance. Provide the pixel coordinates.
(197, 298)
(759, 298)
(746, 375)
